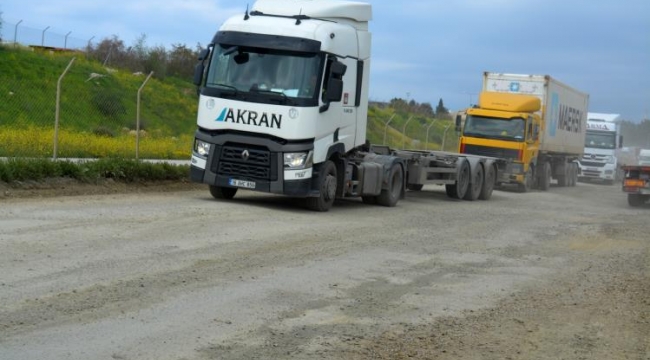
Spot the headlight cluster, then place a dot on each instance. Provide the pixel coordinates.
(201, 147)
(296, 161)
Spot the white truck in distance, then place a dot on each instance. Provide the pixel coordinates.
(599, 161)
(283, 109)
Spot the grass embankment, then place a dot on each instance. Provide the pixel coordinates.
(97, 115)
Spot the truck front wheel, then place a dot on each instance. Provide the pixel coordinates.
(529, 181)
(222, 193)
(389, 197)
(326, 187)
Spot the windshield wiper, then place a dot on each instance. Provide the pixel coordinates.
(230, 87)
(263, 91)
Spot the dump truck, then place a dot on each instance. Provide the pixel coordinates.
(636, 184)
(535, 121)
(283, 109)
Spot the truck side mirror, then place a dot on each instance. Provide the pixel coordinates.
(620, 141)
(536, 133)
(459, 120)
(203, 54)
(198, 73)
(199, 69)
(334, 89)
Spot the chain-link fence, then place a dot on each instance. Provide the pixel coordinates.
(89, 110)
(47, 36)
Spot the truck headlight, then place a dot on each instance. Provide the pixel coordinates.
(201, 147)
(301, 160)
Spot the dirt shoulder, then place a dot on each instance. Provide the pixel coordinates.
(600, 311)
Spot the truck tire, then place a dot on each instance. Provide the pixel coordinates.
(458, 189)
(222, 193)
(529, 180)
(488, 183)
(475, 186)
(389, 197)
(545, 177)
(327, 182)
(636, 200)
(415, 187)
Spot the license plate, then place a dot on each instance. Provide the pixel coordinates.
(242, 183)
(592, 169)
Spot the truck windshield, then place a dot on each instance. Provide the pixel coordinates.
(245, 70)
(495, 128)
(600, 140)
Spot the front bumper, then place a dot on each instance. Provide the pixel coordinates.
(261, 168)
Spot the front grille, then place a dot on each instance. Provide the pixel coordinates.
(245, 163)
(244, 171)
(255, 156)
(591, 164)
(492, 152)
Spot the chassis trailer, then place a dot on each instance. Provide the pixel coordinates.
(637, 184)
(283, 109)
(464, 176)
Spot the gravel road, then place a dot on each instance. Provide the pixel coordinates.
(176, 275)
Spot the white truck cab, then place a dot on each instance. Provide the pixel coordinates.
(599, 161)
(283, 98)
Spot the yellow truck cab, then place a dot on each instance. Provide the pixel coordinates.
(505, 126)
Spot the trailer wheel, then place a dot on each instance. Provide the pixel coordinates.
(222, 193)
(475, 186)
(327, 188)
(458, 189)
(389, 197)
(415, 187)
(545, 177)
(635, 200)
(488, 183)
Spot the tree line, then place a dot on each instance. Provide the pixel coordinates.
(178, 61)
(412, 106)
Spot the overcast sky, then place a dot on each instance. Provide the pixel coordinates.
(423, 50)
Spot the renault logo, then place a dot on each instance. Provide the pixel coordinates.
(245, 155)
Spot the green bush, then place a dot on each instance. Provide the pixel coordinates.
(122, 170)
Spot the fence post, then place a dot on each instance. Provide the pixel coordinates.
(16, 34)
(43, 36)
(404, 132)
(58, 109)
(137, 122)
(426, 143)
(444, 137)
(386, 128)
